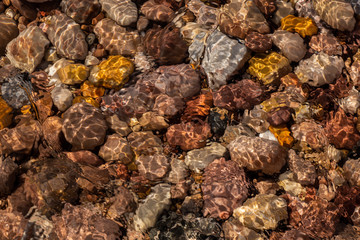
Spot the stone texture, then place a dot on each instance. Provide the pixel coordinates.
(283, 9)
(5, 114)
(123, 12)
(258, 42)
(75, 47)
(304, 171)
(199, 159)
(118, 126)
(238, 18)
(122, 202)
(319, 69)
(256, 153)
(116, 39)
(81, 11)
(155, 203)
(351, 103)
(338, 14)
(84, 157)
(152, 121)
(267, 7)
(13, 94)
(155, 10)
(27, 50)
(52, 132)
(198, 107)
(62, 97)
(8, 172)
(303, 26)
(188, 135)
(269, 68)
(153, 167)
(12, 225)
(232, 132)
(73, 74)
(205, 14)
(116, 148)
(8, 31)
(112, 73)
(145, 143)
(168, 106)
(165, 45)
(178, 172)
(352, 171)
(326, 43)
(223, 57)
(86, 222)
(290, 44)
(241, 95)
(310, 133)
(262, 212)
(90, 90)
(224, 188)
(84, 126)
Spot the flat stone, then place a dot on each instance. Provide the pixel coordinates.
(8, 31)
(123, 12)
(116, 148)
(62, 97)
(153, 167)
(118, 126)
(290, 44)
(81, 11)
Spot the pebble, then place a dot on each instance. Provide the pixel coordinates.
(155, 203)
(283, 9)
(352, 171)
(8, 172)
(319, 69)
(290, 44)
(84, 157)
(310, 133)
(234, 131)
(205, 15)
(338, 14)
(232, 188)
(258, 42)
(199, 159)
(256, 153)
(116, 148)
(16, 96)
(62, 97)
(118, 126)
(145, 143)
(123, 12)
(81, 11)
(12, 224)
(326, 43)
(74, 38)
(304, 171)
(303, 26)
(161, 11)
(52, 132)
(8, 30)
(27, 50)
(152, 121)
(122, 202)
(73, 74)
(153, 167)
(5, 114)
(262, 212)
(84, 126)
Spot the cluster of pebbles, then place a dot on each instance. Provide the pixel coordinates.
(180, 119)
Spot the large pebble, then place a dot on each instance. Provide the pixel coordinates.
(123, 12)
(224, 187)
(116, 148)
(122, 202)
(84, 126)
(153, 167)
(66, 35)
(290, 44)
(8, 31)
(257, 153)
(198, 159)
(155, 203)
(145, 143)
(13, 93)
(81, 11)
(62, 97)
(311, 133)
(319, 69)
(223, 57)
(12, 225)
(337, 13)
(8, 172)
(303, 170)
(262, 212)
(27, 50)
(116, 39)
(156, 10)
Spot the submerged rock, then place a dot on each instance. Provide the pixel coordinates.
(8, 31)
(123, 12)
(81, 11)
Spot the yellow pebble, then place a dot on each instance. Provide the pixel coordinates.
(283, 136)
(303, 26)
(90, 100)
(5, 114)
(90, 90)
(73, 74)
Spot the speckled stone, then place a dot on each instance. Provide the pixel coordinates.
(319, 69)
(76, 47)
(84, 126)
(116, 39)
(118, 126)
(81, 11)
(290, 44)
(145, 143)
(262, 212)
(303, 26)
(234, 131)
(73, 74)
(123, 12)
(304, 171)
(337, 13)
(153, 121)
(283, 9)
(217, 66)
(8, 31)
(155, 203)
(13, 94)
(198, 159)
(27, 50)
(257, 153)
(326, 43)
(352, 171)
(310, 133)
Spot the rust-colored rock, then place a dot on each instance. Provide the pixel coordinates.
(8, 172)
(84, 157)
(84, 126)
(257, 153)
(168, 106)
(5, 114)
(279, 116)
(188, 135)
(340, 130)
(303, 170)
(241, 95)
(352, 171)
(165, 45)
(267, 7)
(52, 132)
(12, 225)
(8, 31)
(122, 202)
(258, 42)
(199, 107)
(325, 43)
(116, 148)
(225, 188)
(310, 133)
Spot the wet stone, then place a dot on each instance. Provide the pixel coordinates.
(118, 126)
(352, 171)
(168, 106)
(13, 94)
(76, 47)
(256, 153)
(233, 229)
(5, 114)
(304, 171)
(112, 73)
(116, 148)
(310, 133)
(12, 225)
(155, 10)
(319, 69)
(81, 11)
(303, 26)
(258, 42)
(178, 172)
(267, 7)
(86, 222)
(325, 43)
(238, 18)
(27, 50)
(123, 12)
(73, 74)
(290, 44)
(62, 97)
(145, 143)
(8, 30)
(232, 132)
(199, 159)
(269, 68)
(204, 14)
(267, 187)
(338, 14)
(262, 212)
(217, 66)
(84, 126)
(153, 167)
(283, 9)
(122, 202)
(224, 188)
(150, 210)
(116, 39)
(153, 121)
(8, 172)
(84, 157)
